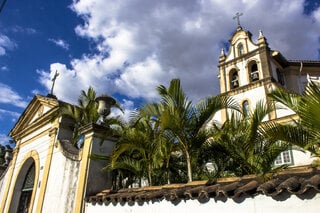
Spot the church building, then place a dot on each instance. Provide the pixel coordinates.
(48, 174)
(249, 71)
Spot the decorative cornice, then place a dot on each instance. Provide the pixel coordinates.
(250, 86)
(22, 127)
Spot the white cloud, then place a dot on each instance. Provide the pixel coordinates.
(4, 139)
(6, 44)
(141, 43)
(127, 107)
(12, 114)
(8, 96)
(4, 68)
(60, 43)
(140, 78)
(24, 30)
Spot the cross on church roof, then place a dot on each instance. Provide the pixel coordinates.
(237, 16)
(53, 81)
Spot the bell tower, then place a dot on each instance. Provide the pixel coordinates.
(245, 72)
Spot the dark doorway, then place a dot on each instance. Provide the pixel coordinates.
(23, 189)
(26, 190)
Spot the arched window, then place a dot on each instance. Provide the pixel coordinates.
(254, 72)
(240, 49)
(26, 190)
(23, 188)
(245, 108)
(234, 79)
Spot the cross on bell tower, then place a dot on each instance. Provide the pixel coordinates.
(237, 16)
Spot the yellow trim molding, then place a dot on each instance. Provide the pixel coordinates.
(83, 173)
(53, 137)
(32, 154)
(9, 179)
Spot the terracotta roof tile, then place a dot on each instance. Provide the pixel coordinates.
(292, 181)
(247, 189)
(312, 183)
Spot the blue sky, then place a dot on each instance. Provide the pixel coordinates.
(128, 47)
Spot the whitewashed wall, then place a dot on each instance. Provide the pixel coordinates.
(302, 157)
(3, 181)
(62, 184)
(38, 146)
(258, 204)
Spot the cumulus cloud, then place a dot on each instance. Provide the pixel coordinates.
(6, 44)
(60, 43)
(141, 44)
(8, 96)
(127, 106)
(4, 139)
(24, 30)
(4, 68)
(12, 114)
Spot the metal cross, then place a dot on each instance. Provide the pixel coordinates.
(237, 16)
(53, 81)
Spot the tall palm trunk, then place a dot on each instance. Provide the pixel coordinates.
(149, 174)
(189, 169)
(168, 172)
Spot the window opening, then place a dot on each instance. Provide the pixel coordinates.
(254, 73)
(240, 49)
(234, 80)
(284, 158)
(26, 190)
(245, 108)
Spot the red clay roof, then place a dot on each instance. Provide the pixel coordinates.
(298, 181)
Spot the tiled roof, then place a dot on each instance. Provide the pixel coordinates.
(298, 181)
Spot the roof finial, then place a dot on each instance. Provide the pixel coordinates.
(53, 81)
(237, 16)
(260, 34)
(222, 52)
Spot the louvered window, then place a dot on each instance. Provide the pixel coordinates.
(26, 191)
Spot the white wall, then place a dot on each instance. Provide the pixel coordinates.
(302, 157)
(3, 181)
(40, 147)
(62, 184)
(258, 204)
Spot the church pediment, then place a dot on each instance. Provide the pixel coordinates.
(240, 44)
(40, 109)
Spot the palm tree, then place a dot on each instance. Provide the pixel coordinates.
(139, 144)
(246, 142)
(305, 131)
(86, 112)
(183, 123)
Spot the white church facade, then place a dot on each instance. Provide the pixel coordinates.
(249, 71)
(48, 174)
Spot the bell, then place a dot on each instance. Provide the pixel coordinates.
(105, 103)
(254, 76)
(235, 83)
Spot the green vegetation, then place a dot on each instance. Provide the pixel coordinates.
(166, 137)
(174, 140)
(3, 149)
(305, 132)
(245, 144)
(85, 112)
